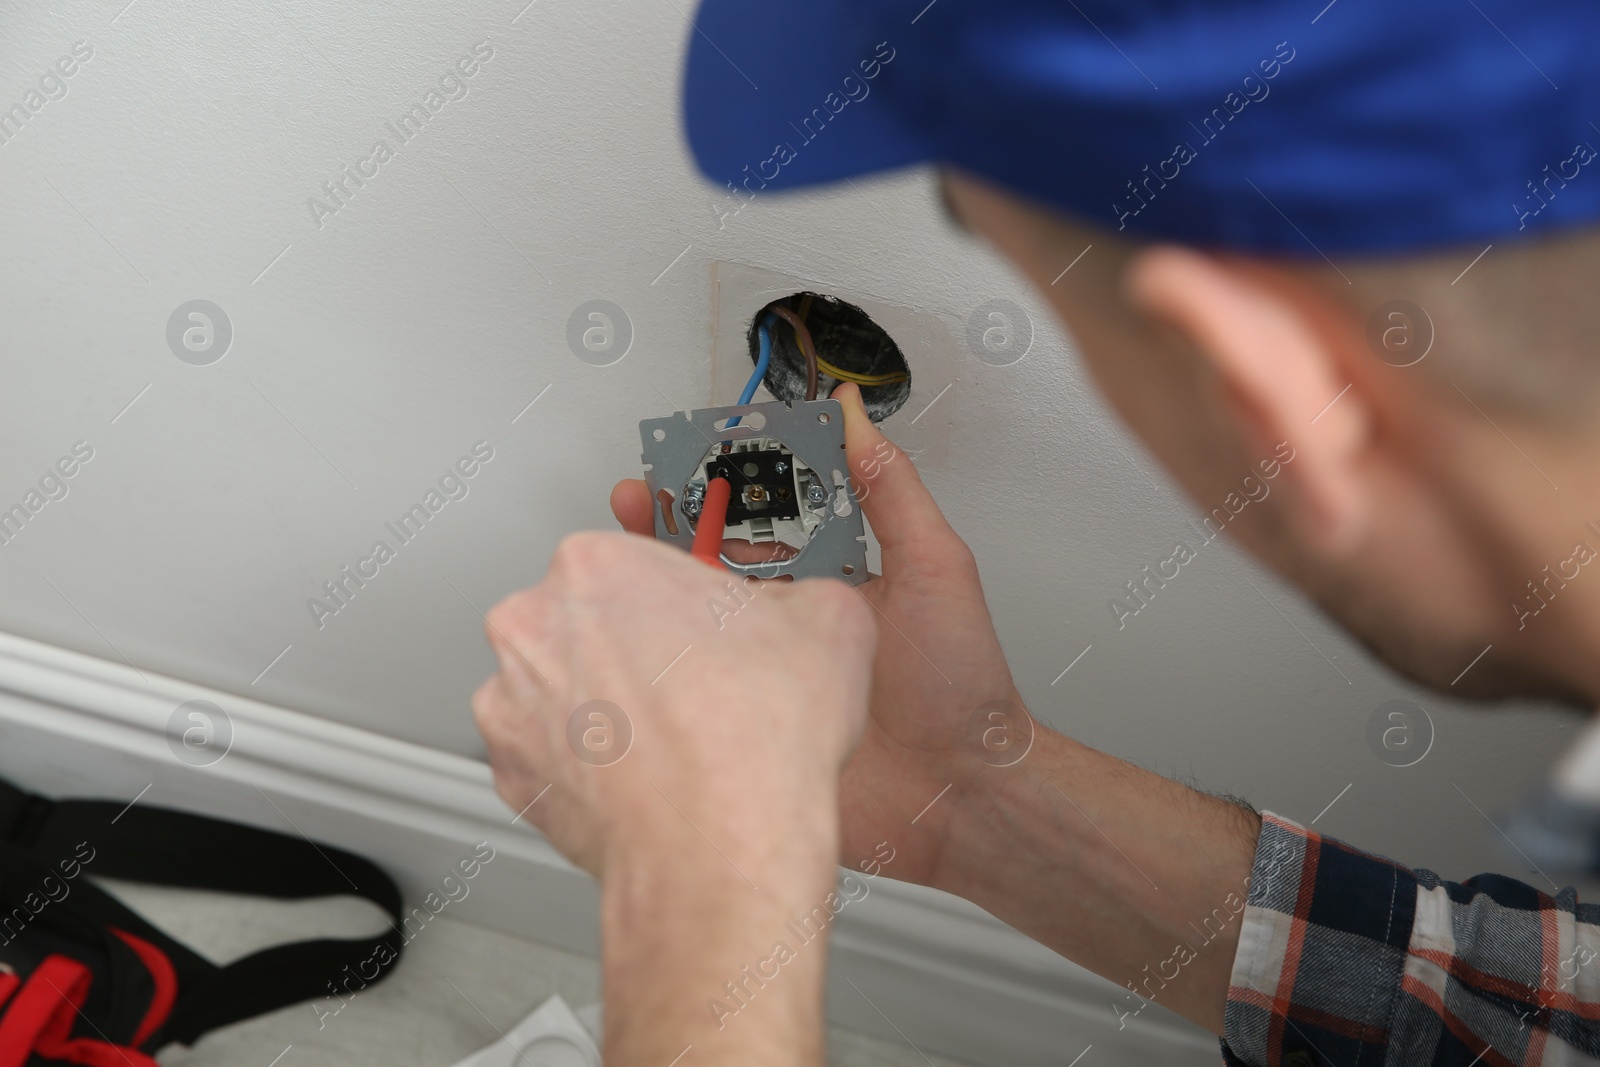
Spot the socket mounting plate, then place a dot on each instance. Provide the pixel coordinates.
(676, 447)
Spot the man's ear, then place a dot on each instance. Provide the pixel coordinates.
(1281, 374)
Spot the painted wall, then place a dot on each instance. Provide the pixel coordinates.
(373, 345)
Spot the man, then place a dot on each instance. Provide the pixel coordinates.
(1253, 220)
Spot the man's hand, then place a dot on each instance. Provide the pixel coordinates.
(752, 723)
(940, 684)
(717, 823)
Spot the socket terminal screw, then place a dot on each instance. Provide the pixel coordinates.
(694, 495)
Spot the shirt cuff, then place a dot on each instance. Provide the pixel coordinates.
(1316, 978)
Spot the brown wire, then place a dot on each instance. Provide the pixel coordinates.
(802, 337)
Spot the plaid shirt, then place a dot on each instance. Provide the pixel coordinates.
(1346, 958)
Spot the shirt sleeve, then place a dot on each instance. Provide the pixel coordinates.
(1348, 958)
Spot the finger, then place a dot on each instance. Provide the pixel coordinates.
(512, 629)
(631, 504)
(489, 705)
(898, 505)
(518, 678)
(741, 551)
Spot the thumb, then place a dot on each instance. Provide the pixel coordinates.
(631, 504)
(902, 511)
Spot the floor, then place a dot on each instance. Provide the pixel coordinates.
(459, 988)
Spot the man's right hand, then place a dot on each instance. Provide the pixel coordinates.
(944, 708)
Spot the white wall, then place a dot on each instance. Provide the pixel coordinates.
(370, 353)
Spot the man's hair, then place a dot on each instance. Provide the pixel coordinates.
(1518, 328)
(1516, 325)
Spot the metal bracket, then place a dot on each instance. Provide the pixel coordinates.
(677, 445)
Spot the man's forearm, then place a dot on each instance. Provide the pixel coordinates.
(716, 953)
(1136, 877)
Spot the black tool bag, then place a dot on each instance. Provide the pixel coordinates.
(86, 980)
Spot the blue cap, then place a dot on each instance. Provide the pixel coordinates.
(1257, 125)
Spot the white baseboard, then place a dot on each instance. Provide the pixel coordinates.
(939, 972)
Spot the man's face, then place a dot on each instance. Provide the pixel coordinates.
(1448, 527)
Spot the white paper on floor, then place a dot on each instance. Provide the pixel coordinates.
(552, 1036)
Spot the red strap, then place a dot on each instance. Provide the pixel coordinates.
(42, 1008)
(8, 984)
(166, 980)
(40, 1017)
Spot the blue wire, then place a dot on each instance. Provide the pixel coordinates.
(764, 331)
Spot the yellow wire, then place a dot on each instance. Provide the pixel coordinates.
(860, 379)
(849, 376)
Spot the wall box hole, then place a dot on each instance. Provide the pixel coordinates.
(848, 345)
(920, 421)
